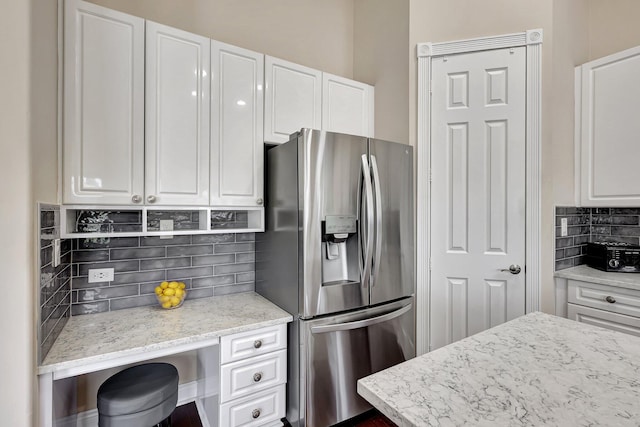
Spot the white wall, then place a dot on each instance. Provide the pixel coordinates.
(318, 34)
(381, 58)
(613, 26)
(17, 357)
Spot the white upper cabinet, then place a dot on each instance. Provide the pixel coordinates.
(347, 106)
(607, 129)
(103, 143)
(237, 143)
(293, 99)
(177, 117)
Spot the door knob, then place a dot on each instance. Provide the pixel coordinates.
(136, 199)
(513, 269)
(151, 199)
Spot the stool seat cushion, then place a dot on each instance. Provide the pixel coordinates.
(139, 389)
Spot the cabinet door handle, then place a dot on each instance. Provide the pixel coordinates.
(257, 343)
(257, 377)
(610, 299)
(136, 199)
(255, 413)
(151, 199)
(259, 201)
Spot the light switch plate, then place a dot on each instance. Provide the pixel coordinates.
(55, 256)
(563, 227)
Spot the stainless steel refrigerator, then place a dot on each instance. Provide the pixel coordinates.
(338, 253)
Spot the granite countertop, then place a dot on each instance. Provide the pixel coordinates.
(535, 370)
(93, 338)
(592, 275)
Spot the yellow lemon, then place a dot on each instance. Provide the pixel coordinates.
(165, 298)
(182, 285)
(173, 285)
(166, 304)
(158, 290)
(164, 285)
(179, 293)
(175, 301)
(169, 291)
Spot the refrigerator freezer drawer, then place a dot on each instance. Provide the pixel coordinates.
(342, 349)
(248, 376)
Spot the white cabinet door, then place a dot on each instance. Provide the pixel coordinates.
(103, 148)
(293, 99)
(177, 117)
(607, 140)
(347, 106)
(237, 146)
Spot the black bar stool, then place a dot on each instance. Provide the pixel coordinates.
(139, 396)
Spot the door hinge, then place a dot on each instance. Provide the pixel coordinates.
(430, 86)
(429, 264)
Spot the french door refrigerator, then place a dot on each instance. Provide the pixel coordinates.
(338, 253)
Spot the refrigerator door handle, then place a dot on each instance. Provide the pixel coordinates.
(378, 204)
(360, 323)
(368, 198)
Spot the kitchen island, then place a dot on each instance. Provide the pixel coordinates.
(535, 370)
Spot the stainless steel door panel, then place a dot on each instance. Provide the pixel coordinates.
(393, 267)
(339, 350)
(329, 169)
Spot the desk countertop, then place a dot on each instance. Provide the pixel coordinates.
(91, 339)
(532, 371)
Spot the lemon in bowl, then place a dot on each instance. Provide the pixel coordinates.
(171, 294)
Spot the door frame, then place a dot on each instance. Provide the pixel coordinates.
(532, 40)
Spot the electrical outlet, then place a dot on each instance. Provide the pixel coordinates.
(563, 227)
(101, 275)
(166, 225)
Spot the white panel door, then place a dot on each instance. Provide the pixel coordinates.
(293, 99)
(609, 146)
(103, 148)
(478, 192)
(347, 106)
(237, 144)
(177, 117)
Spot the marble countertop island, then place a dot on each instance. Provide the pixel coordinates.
(535, 370)
(138, 333)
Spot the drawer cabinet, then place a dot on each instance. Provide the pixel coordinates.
(604, 319)
(606, 306)
(253, 374)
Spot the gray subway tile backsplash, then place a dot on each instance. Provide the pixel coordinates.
(593, 224)
(141, 263)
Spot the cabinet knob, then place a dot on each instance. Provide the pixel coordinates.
(255, 413)
(136, 199)
(259, 201)
(257, 377)
(151, 199)
(257, 343)
(610, 299)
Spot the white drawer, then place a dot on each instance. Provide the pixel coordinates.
(252, 343)
(604, 297)
(259, 409)
(240, 378)
(604, 319)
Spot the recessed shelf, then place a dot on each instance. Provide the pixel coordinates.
(79, 221)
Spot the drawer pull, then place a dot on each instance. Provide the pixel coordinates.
(255, 413)
(257, 343)
(610, 299)
(257, 377)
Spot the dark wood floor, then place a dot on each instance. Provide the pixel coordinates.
(187, 416)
